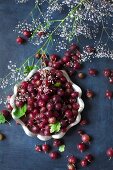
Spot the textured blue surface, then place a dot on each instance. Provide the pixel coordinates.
(17, 151)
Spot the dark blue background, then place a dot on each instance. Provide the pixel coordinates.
(17, 150)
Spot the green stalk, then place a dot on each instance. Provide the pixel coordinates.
(62, 21)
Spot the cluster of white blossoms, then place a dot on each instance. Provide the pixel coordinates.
(9, 81)
(66, 20)
(21, 1)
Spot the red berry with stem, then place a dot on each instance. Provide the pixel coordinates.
(90, 94)
(41, 103)
(68, 64)
(67, 53)
(80, 132)
(111, 74)
(72, 159)
(50, 106)
(68, 113)
(66, 59)
(20, 40)
(24, 84)
(111, 80)
(41, 33)
(52, 120)
(45, 148)
(74, 94)
(90, 50)
(75, 58)
(84, 162)
(107, 72)
(92, 72)
(83, 122)
(27, 33)
(34, 129)
(109, 153)
(71, 167)
(37, 55)
(57, 143)
(76, 66)
(53, 155)
(81, 75)
(38, 148)
(71, 72)
(109, 94)
(53, 57)
(56, 65)
(81, 147)
(73, 47)
(85, 138)
(89, 158)
(58, 106)
(6, 113)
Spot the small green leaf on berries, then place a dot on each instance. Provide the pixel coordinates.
(57, 84)
(2, 118)
(55, 127)
(20, 111)
(27, 69)
(62, 148)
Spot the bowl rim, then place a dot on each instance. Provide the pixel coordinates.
(60, 134)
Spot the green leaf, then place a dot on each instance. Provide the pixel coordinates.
(57, 84)
(55, 127)
(27, 69)
(62, 148)
(20, 111)
(2, 118)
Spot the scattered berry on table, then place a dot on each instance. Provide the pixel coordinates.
(92, 72)
(71, 167)
(84, 122)
(111, 80)
(107, 72)
(1, 137)
(84, 162)
(81, 75)
(89, 94)
(89, 158)
(20, 40)
(54, 155)
(27, 33)
(109, 153)
(109, 94)
(81, 147)
(111, 74)
(6, 113)
(85, 138)
(80, 132)
(72, 159)
(57, 142)
(38, 148)
(45, 148)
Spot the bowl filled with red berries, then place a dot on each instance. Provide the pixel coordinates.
(47, 103)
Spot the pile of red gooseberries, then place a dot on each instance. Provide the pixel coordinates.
(51, 99)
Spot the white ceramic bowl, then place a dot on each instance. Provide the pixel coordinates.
(60, 134)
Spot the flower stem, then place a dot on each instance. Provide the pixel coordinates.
(62, 21)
